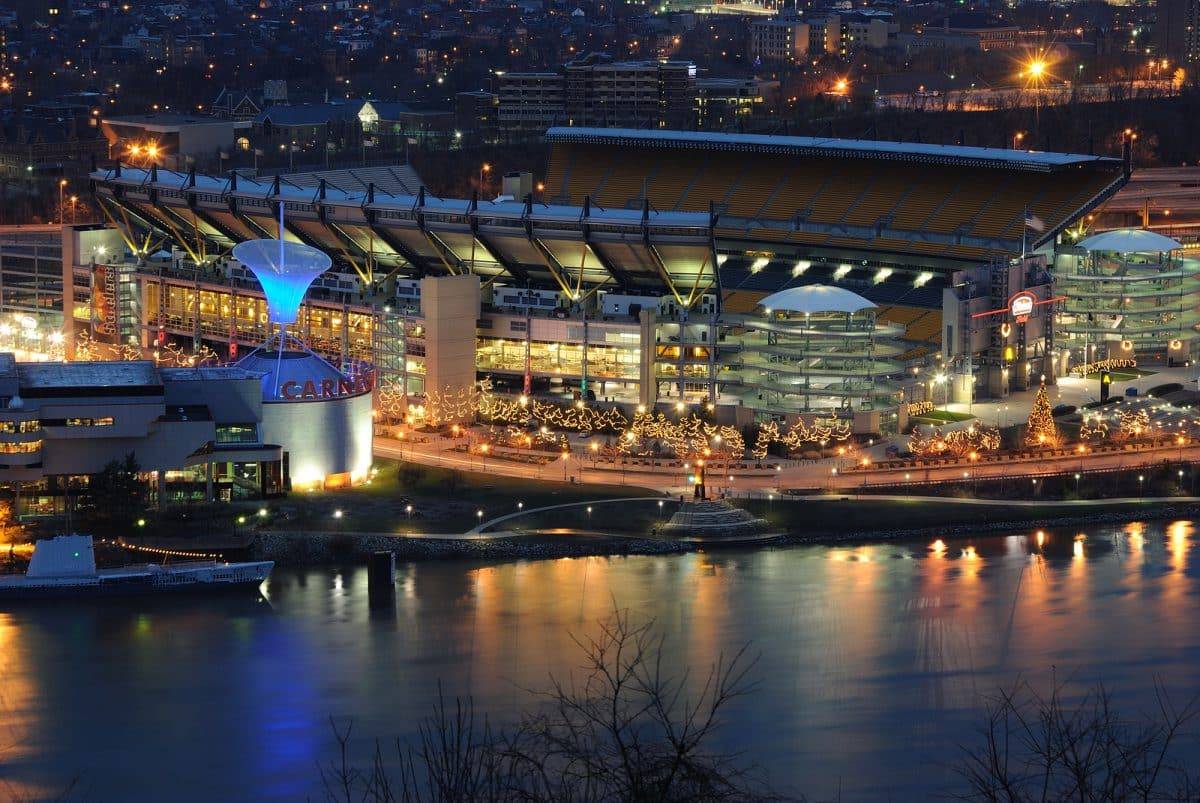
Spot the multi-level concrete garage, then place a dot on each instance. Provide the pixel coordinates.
(1127, 292)
(816, 349)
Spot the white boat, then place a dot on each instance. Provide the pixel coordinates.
(65, 566)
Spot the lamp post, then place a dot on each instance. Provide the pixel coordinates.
(483, 168)
(1036, 72)
(62, 185)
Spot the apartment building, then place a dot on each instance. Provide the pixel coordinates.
(595, 90)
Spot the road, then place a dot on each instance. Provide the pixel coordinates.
(822, 474)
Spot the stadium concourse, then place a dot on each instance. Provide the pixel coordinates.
(634, 275)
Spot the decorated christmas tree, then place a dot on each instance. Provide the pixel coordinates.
(1040, 430)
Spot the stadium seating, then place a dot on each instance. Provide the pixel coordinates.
(886, 193)
(768, 192)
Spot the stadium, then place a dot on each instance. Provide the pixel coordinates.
(636, 275)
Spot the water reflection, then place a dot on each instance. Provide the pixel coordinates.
(873, 661)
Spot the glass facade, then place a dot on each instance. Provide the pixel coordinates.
(31, 275)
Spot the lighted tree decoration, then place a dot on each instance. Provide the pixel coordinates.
(1094, 428)
(1135, 425)
(768, 433)
(968, 442)
(1040, 429)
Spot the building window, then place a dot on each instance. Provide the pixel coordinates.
(106, 421)
(237, 433)
(22, 427)
(20, 448)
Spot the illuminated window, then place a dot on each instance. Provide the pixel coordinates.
(20, 448)
(237, 433)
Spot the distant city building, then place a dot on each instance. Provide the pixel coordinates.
(316, 125)
(32, 145)
(780, 39)
(234, 105)
(793, 37)
(594, 90)
(723, 101)
(1177, 30)
(529, 102)
(968, 27)
(477, 112)
(392, 125)
(178, 140)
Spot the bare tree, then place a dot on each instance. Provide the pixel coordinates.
(618, 729)
(1037, 748)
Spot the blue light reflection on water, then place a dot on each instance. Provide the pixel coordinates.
(873, 659)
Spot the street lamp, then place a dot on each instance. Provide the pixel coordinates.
(483, 168)
(1036, 71)
(62, 184)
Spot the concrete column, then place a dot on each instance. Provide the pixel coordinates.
(647, 384)
(451, 308)
(69, 257)
(208, 482)
(995, 381)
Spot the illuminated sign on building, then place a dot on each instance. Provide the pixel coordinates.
(310, 390)
(1021, 306)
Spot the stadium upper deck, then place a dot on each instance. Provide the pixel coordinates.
(656, 212)
(898, 198)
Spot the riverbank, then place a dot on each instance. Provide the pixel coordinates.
(298, 548)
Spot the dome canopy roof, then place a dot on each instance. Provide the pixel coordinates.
(815, 298)
(1129, 241)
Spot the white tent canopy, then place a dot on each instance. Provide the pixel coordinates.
(815, 298)
(1130, 241)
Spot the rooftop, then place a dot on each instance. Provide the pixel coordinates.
(814, 298)
(165, 120)
(139, 373)
(206, 373)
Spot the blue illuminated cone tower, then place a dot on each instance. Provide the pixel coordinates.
(285, 271)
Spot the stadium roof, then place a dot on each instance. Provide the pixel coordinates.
(824, 146)
(264, 188)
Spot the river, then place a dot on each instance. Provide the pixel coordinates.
(874, 659)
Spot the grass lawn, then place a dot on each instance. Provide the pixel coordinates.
(942, 417)
(443, 500)
(623, 518)
(1124, 374)
(800, 516)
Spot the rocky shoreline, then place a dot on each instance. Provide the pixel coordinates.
(314, 548)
